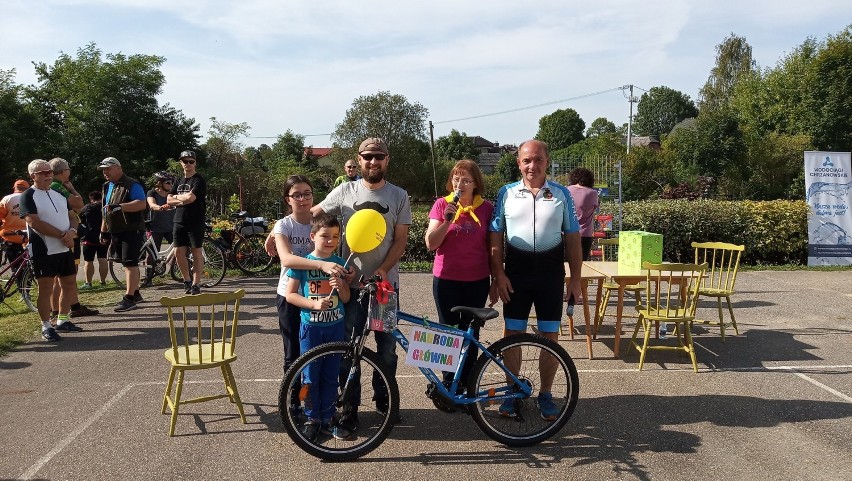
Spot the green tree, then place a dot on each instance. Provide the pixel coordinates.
(506, 169)
(21, 129)
(455, 146)
(830, 93)
(660, 109)
(776, 165)
(402, 124)
(601, 126)
(100, 105)
(560, 129)
(733, 62)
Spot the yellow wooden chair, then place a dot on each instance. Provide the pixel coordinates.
(671, 296)
(723, 260)
(203, 331)
(609, 252)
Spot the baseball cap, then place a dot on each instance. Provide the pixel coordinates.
(20, 185)
(373, 144)
(109, 162)
(187, 153)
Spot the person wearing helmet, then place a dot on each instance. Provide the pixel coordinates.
(162, 216)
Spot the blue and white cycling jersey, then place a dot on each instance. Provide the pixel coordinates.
(534, 226)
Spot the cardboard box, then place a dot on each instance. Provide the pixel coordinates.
(636, 247)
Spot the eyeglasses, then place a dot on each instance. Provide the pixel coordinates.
(167, 182)
(188, 161)
(373, 156)
(44, 172)
(305, 196)
(353, 166)
(456, 180)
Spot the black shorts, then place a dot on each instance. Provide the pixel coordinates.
(55, 265)
(189, 235)
(127, 247)
(90, 251)
(545, 293)
(77, 250)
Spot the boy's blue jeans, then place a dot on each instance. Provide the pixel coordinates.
(321, 374)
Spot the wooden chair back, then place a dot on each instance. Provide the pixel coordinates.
(203, 327)
(723, 262)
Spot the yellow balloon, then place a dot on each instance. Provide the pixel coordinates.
(365, 230)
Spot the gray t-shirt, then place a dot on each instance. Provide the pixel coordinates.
(390, 201)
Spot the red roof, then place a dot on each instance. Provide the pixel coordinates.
(318, 152)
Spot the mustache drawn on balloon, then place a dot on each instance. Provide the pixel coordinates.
(371, 205)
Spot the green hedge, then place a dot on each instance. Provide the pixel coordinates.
(774, 232)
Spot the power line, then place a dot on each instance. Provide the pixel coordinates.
(531, 106)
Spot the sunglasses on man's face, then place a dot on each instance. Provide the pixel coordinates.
(188, 161)
(373, 156)
(43, 172)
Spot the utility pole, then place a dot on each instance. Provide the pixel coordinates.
(432, 143)
(631, 100)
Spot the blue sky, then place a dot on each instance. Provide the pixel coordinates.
(278, 64)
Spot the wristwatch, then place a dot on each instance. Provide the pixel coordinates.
(74, 229)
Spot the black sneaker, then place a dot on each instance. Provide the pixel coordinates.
(195, 289)
(50, 335)
(126, 304)
(137, 297)
(187, 287)
(83, 311)
(382, 407)
(68, 326)
(348, 419)
(311, 430)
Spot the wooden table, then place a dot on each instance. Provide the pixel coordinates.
(586, 274)
(622, 277)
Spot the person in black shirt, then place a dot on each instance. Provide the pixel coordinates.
(91, 217)
(189, 195)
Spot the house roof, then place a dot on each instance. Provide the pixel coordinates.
(318, 152)
(488, 160)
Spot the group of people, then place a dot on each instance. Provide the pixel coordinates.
(59, 225)
(317, 293)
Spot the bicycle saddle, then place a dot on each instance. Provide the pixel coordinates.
(481, 313)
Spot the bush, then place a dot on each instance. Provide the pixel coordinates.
(774, 232)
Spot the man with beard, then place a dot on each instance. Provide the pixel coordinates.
(372, 191)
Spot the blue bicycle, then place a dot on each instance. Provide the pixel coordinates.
(501, 392)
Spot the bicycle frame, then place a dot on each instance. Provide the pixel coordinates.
(515, 388)
(17, 266)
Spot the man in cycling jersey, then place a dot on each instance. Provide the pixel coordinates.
(536, 219)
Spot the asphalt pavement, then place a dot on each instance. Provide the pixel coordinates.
(773, 403)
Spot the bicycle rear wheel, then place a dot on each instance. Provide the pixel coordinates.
(214, 264)
(373, 426)
(250, 254)
(28, 285)
(148, 259)
(525, 426)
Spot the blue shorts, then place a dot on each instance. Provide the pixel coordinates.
(545, 293)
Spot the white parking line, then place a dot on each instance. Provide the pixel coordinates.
(38, 465)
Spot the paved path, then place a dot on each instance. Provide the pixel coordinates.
(773, 403)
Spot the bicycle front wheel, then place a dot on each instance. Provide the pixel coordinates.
(148, 259)
(373, 425)
(28, 285)
(250, 254)
(213, 269)
(520, 422)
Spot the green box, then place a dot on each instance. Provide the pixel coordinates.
(636, 247)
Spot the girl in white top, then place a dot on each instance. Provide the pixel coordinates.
(290, 240)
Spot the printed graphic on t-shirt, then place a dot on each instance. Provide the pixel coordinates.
(317, 287)
(184, 189)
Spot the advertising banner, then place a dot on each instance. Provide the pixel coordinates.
(828, 178)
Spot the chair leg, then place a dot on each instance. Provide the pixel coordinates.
(646, 325)
(168, 389)
(236, 393)
(601, 312)
(227, 383)
(687, 334)
(733, 319)
(178, 390)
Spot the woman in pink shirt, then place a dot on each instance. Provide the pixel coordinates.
(458, 233)
(581, 186)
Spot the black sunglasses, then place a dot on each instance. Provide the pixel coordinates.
(187, 161)
(373, 156)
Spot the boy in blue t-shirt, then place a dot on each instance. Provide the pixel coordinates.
(320, 298)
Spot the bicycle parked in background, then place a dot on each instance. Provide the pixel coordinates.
(502, 401)
(18, 277)
(153, 263)
(244, 244)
